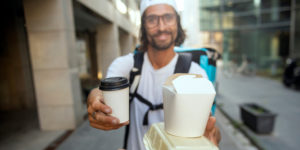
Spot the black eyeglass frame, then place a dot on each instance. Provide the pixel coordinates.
(168, 19)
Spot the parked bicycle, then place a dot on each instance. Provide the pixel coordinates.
(247, 67)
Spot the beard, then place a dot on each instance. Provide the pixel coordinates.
(161, 46)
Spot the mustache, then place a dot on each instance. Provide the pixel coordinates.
(161, 32)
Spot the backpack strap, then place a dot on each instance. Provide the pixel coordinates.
(134, 79)
(183, 63)
(182, 66)
(135, 73)
(151, 106)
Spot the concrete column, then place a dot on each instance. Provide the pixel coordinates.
(126, 43)
(51, 35)
(107, 45)
(294, 30)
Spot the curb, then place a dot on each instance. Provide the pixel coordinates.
(53, 145)
(241, 128)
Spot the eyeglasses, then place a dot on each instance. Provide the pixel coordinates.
(152, 21)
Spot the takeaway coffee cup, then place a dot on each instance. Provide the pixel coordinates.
(187, 103)
(116, 95)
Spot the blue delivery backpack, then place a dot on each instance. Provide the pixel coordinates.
(205, 57)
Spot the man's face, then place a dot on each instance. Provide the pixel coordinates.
(161, 26)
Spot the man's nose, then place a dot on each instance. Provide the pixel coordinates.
(161, 24)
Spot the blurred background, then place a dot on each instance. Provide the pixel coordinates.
(53, 52)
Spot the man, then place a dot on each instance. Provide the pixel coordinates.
(160, 32)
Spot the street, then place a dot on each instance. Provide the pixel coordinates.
(270, 94)
(88, 138)
(232, 91)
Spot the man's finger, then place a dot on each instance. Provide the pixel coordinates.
(106, 126)
(218, 136)
(95, 94)
(125, 123)
(101, 117)
(90, 110)
(97, 105)
(95, 125)
(210, 123)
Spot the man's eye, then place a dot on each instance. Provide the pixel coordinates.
(151, 19)
(168, 17)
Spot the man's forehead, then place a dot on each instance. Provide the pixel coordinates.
(159, 9)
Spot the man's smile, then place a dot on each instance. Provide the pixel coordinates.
(163, 36)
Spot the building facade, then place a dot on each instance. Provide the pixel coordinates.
(53, 51)
(259, 30)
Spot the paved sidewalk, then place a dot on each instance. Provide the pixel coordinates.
(88, 138)
(19, 130)
(231, 138)
(271, 94)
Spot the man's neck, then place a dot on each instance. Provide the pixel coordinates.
(160, 58)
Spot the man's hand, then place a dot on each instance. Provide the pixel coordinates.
(212, 132)
(99, 113)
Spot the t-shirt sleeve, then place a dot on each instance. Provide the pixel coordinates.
(121, 66)
(197, 69)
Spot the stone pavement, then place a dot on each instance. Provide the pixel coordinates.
(19, 130)
(88, 138)
(231, 138)
(23, 133)
(270, 94)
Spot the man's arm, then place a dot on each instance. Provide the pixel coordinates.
(99, 113)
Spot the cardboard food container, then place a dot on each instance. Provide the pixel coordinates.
(187, 99)
(157, 139)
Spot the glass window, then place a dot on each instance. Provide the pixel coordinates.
(245, 20)
(277, 16)
(297, 3)
(297, 31)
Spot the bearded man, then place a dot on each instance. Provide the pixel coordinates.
(161, 31)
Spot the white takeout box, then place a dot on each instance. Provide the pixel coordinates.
(188, 99)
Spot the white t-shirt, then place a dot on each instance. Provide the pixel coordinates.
(150, 87)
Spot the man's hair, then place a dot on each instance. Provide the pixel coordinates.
(143, 34)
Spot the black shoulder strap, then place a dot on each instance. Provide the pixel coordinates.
(183, 63)
(182, 66)
(136, 70)
(138, 60)
(137, 66)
